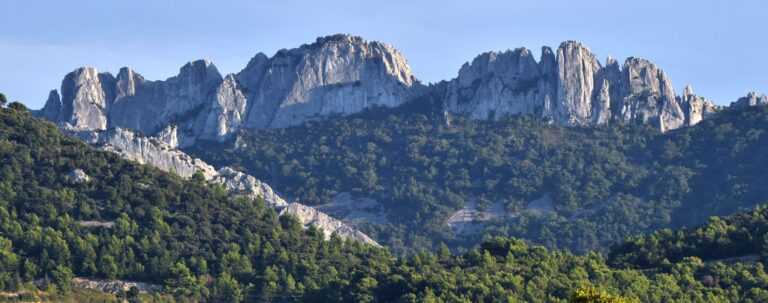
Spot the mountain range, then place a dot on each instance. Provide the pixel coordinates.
(343, 75)
(385, 188)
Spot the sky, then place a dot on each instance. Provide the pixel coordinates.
(718, 47)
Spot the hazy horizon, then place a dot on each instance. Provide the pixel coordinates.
(712, 46)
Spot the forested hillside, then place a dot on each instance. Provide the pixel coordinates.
(201, 245)
(736, 237)
(580, 188)
(186, 235)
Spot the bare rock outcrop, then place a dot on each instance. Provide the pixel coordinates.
(506, 82)
(78, 176)
(577, 71)
(571, 88)
(114, 286)
(343, 74)
(751, 99)
(246, 185)
(311, 216)
(338, 74)
(696, 108)
(227, 113)
(85, 97)
(148, 106)
(648, 96)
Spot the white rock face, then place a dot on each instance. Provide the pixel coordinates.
(311, 216)
(93, 101)
(338, 74)
(147, 150)
(149, 106)
(751, 99)
(150, 150)
(471, 221)
(78, 176)
(570, 89)
(114, 286)
(344, 75)
(504, 83)
(242, 184)
(84, 100)
(577, 70)
(247, 185)
(169, 136)
(696, 108)
(649, 96)
(602, 106)
(227, 113)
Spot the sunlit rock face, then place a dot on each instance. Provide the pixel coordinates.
(751, 99)
(577, 70)
(343, 75)
(696, 108)
(338, 74)
(84, 100)
(571, 87)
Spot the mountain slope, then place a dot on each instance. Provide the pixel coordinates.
(744, 235)
(458, 179)
(202, 245)
(162, 153)
(153, 226)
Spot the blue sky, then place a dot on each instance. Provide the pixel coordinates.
(719, 47)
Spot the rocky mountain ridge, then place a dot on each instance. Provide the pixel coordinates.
(344, 74)
(571, 87)
(338, 74)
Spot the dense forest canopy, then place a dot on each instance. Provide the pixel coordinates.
(740, 236)
(579, 188)
(200, 244)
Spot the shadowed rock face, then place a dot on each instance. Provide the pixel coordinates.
(344, 75)
(507, 82)
(149, 106)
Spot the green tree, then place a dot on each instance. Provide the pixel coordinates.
(9, 263)
(227, 289)
(596, 295)
(62, 276)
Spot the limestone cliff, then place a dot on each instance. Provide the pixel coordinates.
(343, 74)
(338, 74)
(571, 88)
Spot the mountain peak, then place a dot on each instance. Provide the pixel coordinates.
(202, 67)
(574, 45)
